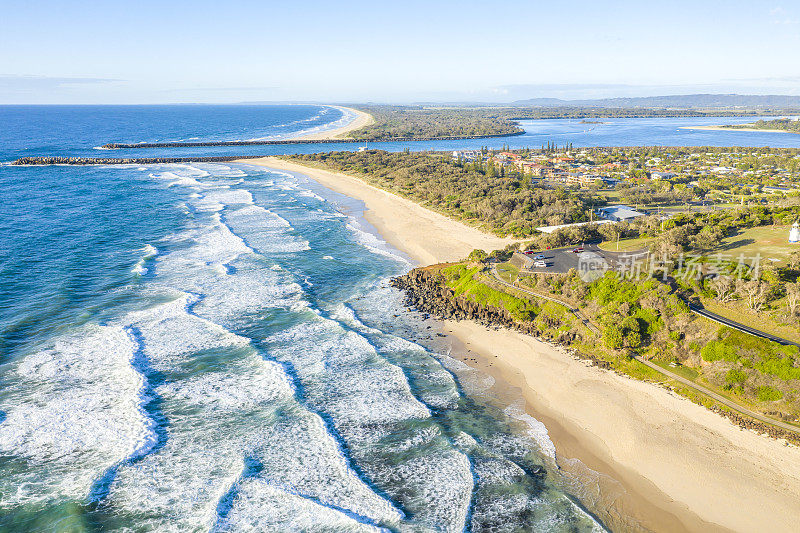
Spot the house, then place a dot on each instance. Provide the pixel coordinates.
(722, 170)
(466, 155)
(618, 213)
(659, 175)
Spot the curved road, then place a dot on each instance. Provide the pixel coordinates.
(741, 327)
(689, 383)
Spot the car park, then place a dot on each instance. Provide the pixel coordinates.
(539, 264)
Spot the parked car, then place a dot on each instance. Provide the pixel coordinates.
(539, 264)
(577, 250)
(540, 256)
(528, 252)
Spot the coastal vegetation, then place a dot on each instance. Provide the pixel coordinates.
(619, 320)
(432, 122)
(501, 200)
(418, 122)
(781, 124)
(646, 317)
(546, 187)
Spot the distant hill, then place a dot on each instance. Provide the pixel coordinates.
(686, 101)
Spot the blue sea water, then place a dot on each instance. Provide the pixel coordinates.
(215, 347)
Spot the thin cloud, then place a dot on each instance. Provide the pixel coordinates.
(32, 83)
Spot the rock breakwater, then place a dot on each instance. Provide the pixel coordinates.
(127, 160)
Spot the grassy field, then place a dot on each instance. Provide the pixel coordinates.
(507, 272)
(626, 245)
(683, 371)
(771, 242)
(612, 196)
(759, 321)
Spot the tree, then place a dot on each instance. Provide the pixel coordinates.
(792, 297)
(708, 238)
(478, 255)
(725, 287)
(612, 336)
(754, 293)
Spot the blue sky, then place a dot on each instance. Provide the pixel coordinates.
(404, 51)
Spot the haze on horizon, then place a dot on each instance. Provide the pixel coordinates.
(202, 51)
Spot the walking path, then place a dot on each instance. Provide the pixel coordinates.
(689, 383)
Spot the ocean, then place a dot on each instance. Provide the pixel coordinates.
(216, 347)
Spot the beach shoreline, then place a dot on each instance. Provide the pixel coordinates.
(682, 467)
(723, 128)
(361, 120)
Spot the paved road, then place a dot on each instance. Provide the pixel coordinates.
(741, 327)
(689, 383)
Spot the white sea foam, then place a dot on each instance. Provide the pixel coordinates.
(374, 243)
(177, 180)
(310, 194)
(536, 430)
(229, 196)
(442, 485)
(261, 506)
(265, 230)
(439, 388)
(148, 252)
(341, 371)
(299, 454)
(494, 471)
(73, 410)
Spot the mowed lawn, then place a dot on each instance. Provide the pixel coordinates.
(771, 242)
(626, 245)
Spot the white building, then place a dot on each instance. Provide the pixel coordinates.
(662, 175)
(618, 213)
(794, 233)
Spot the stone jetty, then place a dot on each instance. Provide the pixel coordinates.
(127, 160)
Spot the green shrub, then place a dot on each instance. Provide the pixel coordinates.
(633, 339)
(768, 394)
(478, 255)
(735, 375)
(461, 279)
(612, 336)
(717, 350)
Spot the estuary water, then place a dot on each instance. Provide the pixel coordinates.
(215, 347)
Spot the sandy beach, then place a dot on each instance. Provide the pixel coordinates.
(361, 120)
(723, 128)
(682, 467)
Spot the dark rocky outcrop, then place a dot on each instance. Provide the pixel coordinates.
(426, 291)
(127, 160)
(754, 425)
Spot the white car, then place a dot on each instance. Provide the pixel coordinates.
(539, 264)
